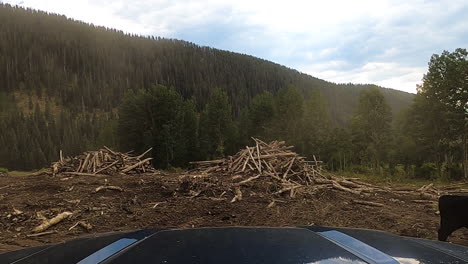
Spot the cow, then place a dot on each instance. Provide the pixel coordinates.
(453, 214)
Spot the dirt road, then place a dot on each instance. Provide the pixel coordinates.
(164, 200)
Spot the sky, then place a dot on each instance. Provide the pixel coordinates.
(383, 42)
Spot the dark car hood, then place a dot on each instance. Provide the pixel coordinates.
(244, 245)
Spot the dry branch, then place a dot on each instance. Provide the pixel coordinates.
(129, 168)
(337, 186)
(42, 233)
(83, 224)
(108, 187)
(206, 162)
(368, 203)
(427, 196)
(48, 223)
(249, 179)
(84, 174)
(287, 189)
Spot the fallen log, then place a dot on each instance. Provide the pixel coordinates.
(350, 184)
(427, 196)
(322, 181)
(42, 233)
(111, 151)
(425, 187)
(143, 154)
(424, 201)
(84, 174)
(269, 156)
(48, 223)
(249, 179)
(129, 168)
(108, 187)
(287, 189)
(107, 167)
(337, 186)
(206, 162)
(368, 203)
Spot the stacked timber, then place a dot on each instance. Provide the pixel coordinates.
(103, 162)
(282, 171)
(274, 159)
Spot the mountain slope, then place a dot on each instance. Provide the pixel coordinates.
(87, 68)
(61, 82)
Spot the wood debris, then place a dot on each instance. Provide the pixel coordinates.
(368, 203)
(17, 212)
(158, 203)
(108, 187)
(277, 164)
(42, 233)
(265, 162)
(48, 223)
(102, 162)
(276, 170)
(238, 195)
(88, 227)
(274, 159)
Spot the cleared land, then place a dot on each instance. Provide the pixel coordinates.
(188, 199)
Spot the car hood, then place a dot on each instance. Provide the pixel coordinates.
(244, 245)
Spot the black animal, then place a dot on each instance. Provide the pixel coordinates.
(453, 214)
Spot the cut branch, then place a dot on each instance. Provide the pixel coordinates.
(48, 223)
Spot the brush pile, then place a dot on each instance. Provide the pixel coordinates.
(274, 159)
(273, 169)
(273, 162)
(103, 162)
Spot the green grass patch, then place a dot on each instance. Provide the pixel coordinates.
(24, 173)
(397, 179)
(20, 173)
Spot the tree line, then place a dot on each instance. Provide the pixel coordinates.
(427, 140)
(67, 85)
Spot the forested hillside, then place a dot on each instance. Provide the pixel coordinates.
(86, 67)
(63, 81)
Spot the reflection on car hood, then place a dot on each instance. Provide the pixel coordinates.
(244, 245)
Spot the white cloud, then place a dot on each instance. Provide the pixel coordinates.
(386, 42)
(391, 75)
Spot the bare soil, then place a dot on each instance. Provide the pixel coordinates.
(175, 201)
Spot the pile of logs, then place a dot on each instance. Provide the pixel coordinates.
(286, 172)
(290, 172)
(274, 159)
(103, 162)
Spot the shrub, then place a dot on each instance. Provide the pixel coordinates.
(453, 172)
(427, 171)
(360, 169)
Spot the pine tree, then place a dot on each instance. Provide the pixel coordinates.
(371, 128)
(216, 125)
(316, 126)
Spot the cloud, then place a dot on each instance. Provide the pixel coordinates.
(380, 73)
(386, 42)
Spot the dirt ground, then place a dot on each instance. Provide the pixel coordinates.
(170, 200)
